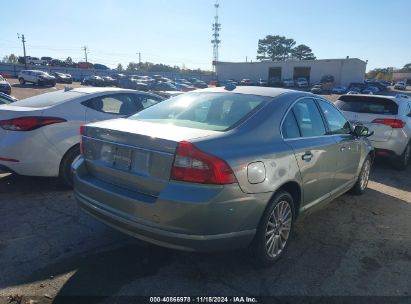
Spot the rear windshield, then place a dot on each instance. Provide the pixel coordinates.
(47, 100)
(207, 111)
(365, 104)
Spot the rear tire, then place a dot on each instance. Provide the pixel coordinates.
(274, 230)
(402, 162)
(362, 181)
(65, 175)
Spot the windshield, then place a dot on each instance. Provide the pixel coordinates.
(46, 100)
(207, 111)
(365, 104)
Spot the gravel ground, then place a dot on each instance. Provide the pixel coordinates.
(354, 246)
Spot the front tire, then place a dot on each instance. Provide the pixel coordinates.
(362, 181)
(273, 233)
(65, 175)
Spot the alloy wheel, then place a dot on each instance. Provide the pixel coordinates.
(278, 229)
(365, 174)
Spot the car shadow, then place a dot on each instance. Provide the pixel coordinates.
(13, 183)
(352, 230)
(383, 173)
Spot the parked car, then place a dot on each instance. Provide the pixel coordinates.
(184, 87)
(46, 60)
(301, 82)
(36, 77)
(62, 78)
(339, 90)
(388, 117)
(371, 90)
(247, 82)
(6, 99)
(108, 81)
(94, 80)
(317, 89)
(98, 66)
(84, 65)
(400, 86)
(288, 82)
(5, 86)
(57, 62)
(132, 83)
(163, 86)
(39, 135)
(214, 150)
(34, 60)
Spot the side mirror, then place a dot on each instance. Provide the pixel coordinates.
(362, 131)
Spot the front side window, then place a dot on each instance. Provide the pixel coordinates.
(309, 118)
(336, 121)
(207, 111)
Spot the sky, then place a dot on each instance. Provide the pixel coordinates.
(178, 32)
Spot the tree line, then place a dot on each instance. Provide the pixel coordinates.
(280, 48)
(386, 73)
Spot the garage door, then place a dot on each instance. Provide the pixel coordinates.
(302, 72)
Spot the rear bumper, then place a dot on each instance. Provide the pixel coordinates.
(178, 219)
(396, 144)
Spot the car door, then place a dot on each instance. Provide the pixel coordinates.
(110, 106)
(349, 149)
(314, 151)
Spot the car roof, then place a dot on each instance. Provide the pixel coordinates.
(252, 90)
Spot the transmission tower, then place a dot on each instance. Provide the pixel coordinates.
(216, 36)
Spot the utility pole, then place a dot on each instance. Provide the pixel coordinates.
(24, 48)
(85, 52)
(139, 60)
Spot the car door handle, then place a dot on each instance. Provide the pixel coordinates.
(307, 156)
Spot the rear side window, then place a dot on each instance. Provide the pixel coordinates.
(365, 104)
(290, 128)
(207, 111)
(309, 118)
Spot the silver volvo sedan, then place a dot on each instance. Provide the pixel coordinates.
(220, 168)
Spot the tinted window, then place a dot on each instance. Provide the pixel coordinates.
(290, 127)
(336, 121)
(208, 111)
(365, 104)
(145, 101)
(309, 118)
(120, 104)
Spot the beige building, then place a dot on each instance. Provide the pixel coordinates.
(344, 71)
(397, 76)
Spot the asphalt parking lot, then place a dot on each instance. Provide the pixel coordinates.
(356, 245)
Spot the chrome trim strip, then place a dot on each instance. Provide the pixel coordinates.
(127, 146)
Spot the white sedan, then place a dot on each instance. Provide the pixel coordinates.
(39, 136)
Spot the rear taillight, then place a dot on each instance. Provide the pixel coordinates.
(393, 123)
(196, 166)
(81, 139)
(28, 123)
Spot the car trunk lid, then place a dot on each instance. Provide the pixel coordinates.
(133, 154)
